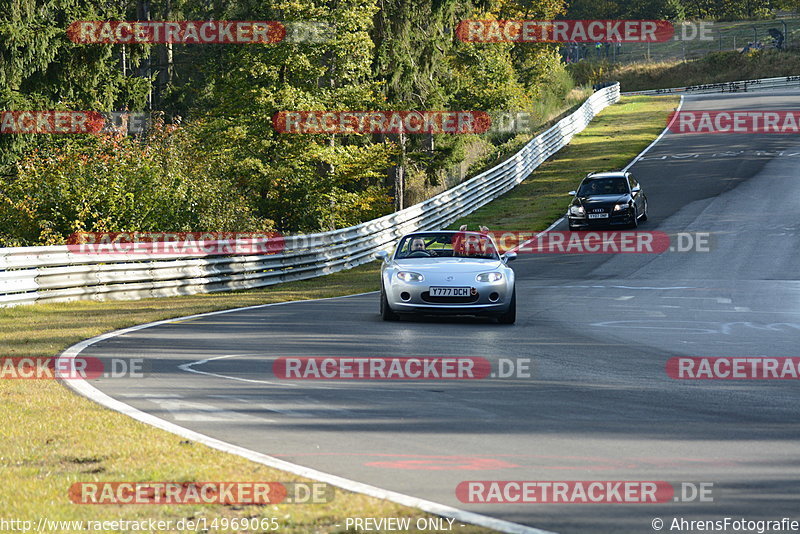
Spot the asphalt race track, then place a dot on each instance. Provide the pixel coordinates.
(598, 330)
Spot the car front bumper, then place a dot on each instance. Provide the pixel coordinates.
(491, 298)
(613, 220)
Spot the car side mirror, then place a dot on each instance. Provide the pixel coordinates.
(636, 189)
(573, 193)
(509, 256)
(382, 255)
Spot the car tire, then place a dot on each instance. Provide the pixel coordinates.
(510, 315)
(644, 215)
(386, 312)
(635, 223)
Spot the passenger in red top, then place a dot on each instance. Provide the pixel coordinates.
(469, 244)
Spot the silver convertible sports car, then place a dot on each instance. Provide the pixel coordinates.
(448, 272)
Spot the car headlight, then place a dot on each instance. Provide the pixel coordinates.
(489, 277)
(620, 207)
(576, 210)
(407, 276)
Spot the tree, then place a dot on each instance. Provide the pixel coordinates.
(110, 183)
(303, 182)
(40, 68)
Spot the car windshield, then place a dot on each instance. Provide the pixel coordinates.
(447, 245)
(603, 186)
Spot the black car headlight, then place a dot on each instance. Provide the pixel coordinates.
(620, 207)
(577, 211)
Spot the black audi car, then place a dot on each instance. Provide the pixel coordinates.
(607, 199)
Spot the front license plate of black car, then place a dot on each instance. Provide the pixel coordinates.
(598, 215)
(449, 291)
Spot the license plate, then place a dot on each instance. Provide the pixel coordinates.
(450, 291)
(598, 215)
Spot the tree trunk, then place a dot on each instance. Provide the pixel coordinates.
(400, 176)
(166, 66)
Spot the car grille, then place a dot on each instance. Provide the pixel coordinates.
(426, 296)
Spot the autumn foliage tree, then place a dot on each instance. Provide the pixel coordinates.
(221, 165)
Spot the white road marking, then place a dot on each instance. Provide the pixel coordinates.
(268, 407)
(628, 166)
(612, 287)
(657, 139)
(720, 300)
(697, 326)
(83, 387)
(86, 389)
(313, 384)
(189, 367)
(722, 155)
(231, 397)
(559, 221)
(183, 410)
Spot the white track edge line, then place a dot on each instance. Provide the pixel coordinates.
(559, 221)
(657, 139)
(628, 166)
(87, 390)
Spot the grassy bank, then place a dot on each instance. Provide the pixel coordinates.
(486, 150)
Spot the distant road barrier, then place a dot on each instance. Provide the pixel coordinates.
(54, 273)
(741, 86)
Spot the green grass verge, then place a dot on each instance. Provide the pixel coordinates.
(613, 139)
(51, 438)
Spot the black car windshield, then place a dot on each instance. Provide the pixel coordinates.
(603, 186)
(447, 245)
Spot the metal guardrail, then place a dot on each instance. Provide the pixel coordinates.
(742, 86)
(55, 273)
